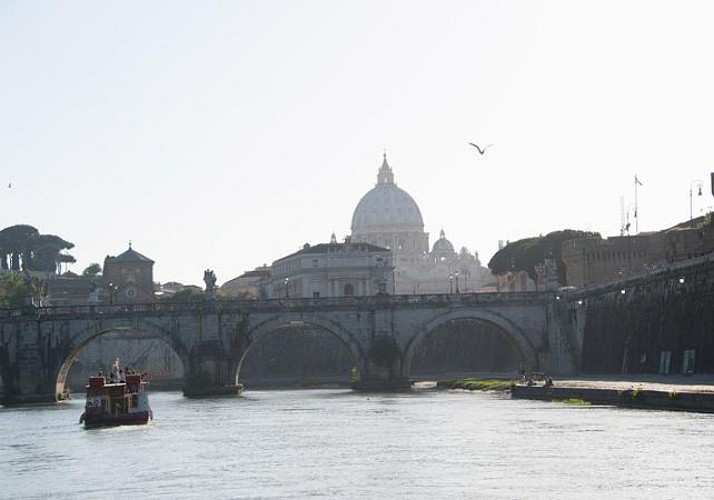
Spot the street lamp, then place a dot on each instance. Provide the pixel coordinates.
(451, 283)
(287, 291)
(112, 289)
(691, 188)
(456, 278)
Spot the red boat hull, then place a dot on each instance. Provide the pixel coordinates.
(106, 420)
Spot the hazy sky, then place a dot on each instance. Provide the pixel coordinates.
(225, 135)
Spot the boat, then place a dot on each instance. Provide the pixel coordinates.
(120, 401)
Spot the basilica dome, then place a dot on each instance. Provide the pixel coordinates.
(442, 245)
(386, 207)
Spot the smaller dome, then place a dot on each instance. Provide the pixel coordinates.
(442, 245)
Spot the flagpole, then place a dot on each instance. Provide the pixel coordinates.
(637, 215)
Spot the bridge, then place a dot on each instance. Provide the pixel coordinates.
(212, 338)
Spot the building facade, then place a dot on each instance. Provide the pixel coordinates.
(592, 261)
(331, 270)
(128, 278)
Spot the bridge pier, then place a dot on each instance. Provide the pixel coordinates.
(382, 385)
(384, 370)
(209, 376)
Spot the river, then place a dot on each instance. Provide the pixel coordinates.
(338, 444)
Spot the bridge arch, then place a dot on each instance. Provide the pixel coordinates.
(260, 330)
(87, 336)
(516, 337)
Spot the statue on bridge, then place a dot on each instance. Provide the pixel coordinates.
(209, 277)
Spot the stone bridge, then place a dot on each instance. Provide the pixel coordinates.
(38, 346)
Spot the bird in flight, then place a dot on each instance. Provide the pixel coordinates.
(481, 151)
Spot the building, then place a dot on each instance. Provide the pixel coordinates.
(331, 270)
(387, 252)
(249, 285)
(128, 278)
(592, 261)
(388, 216)
(71, 290)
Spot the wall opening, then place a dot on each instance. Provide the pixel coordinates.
(463, 348)
(297, 356)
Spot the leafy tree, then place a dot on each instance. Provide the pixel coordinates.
(94, 270)
(46, 253)
(17, 243)
(526, 254)
(16, 289)
(23, 248)
(13, 291)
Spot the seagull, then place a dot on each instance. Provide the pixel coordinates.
(481, 151)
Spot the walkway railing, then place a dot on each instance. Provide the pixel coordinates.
(266, 305)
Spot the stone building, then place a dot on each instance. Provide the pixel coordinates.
(128, 278)
(71, 290)
(331, 270)
(591, 261)
(389, 217)
(249, 285)
(387, 247)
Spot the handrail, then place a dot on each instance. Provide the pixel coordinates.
(247, 306)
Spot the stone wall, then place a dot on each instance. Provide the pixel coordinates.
(660, 323)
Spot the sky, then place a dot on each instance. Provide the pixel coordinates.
(226, 135)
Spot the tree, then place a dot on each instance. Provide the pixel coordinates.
(526, 254)
(13, 291)
(23, 248)
(93, 270)
(47, 253)
(16, 243)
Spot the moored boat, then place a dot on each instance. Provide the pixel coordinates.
(122, 402)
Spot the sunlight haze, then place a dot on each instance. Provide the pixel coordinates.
(225, 135)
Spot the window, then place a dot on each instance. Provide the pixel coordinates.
(665, 362)
(688, 361)
(349, 290)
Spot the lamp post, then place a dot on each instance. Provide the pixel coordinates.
(112, 289)
(456, 279)
(451, 283)
(287, 290)
(697, 183)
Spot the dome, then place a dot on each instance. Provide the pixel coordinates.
(442, 244)
(386, 207)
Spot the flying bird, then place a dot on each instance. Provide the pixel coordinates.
(481, 151)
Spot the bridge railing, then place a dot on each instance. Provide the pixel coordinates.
(247, 306)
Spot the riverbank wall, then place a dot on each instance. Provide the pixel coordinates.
(629, 398)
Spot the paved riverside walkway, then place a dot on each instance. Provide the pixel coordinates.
(679, 383)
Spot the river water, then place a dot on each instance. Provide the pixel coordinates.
(339, 444)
